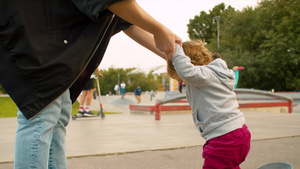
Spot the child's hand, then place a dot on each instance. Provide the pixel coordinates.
(178, 51)
(165, 41)
(235, 68)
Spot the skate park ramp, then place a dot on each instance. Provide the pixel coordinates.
(296, 109)
(249, 100)
(122, 102)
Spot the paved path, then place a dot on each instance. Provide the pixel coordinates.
(126, 141)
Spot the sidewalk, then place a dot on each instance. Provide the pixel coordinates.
(126, 141)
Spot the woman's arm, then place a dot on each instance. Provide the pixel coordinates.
(144, 38)
(164, 38)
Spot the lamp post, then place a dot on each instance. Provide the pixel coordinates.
(217, 18)
(194, 30)
(119, 91)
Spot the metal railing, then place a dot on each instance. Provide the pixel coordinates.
(164, 101)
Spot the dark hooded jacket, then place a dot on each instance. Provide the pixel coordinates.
(50, 46)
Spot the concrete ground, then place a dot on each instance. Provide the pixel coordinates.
(131, 141)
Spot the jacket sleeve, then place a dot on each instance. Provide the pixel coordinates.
(121, 25)
(94, 8)
(197, 76)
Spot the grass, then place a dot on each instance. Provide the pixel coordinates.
(9, 109)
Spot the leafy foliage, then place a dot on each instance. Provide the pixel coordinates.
(131, 78)
(111, 77)
(264, 40)
(204, 26)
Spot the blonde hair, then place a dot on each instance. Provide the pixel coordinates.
(198, 54)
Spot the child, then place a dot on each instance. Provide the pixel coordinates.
(137, 93)
(214, 105)
(152, 94)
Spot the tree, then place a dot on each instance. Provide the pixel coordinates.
(264, 40)
(277, 45)
(110, 78)
(131, 78)
(203, 26)
(146, 82)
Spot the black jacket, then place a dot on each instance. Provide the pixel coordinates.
(49, 46)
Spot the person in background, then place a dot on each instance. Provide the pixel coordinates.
(137, 93)
(116, 89)
(48, 51)
(152, 94)
(87, 96)
(166, 87)
(236, 72)
(180, 84)
(214, 105)
(123, 85)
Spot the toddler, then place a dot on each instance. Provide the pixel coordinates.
(214, 105)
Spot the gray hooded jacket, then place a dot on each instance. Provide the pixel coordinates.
(210, 94)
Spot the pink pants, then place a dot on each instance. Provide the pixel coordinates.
(227, 151)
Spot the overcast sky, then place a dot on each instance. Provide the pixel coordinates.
(122, 52)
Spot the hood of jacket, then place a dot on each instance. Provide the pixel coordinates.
(225, 75)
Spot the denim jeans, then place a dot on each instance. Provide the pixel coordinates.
(40, 142)
(122, 91)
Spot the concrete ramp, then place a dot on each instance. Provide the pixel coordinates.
(296, 109)
(122, 102)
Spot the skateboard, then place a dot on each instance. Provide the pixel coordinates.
(276, 165)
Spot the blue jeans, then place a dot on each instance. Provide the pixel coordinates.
(122, 91)
(40, 142)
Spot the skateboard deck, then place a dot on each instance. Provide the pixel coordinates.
(276, 165)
